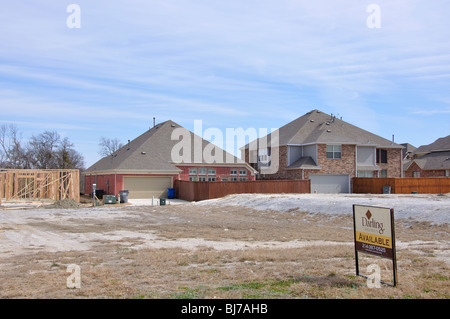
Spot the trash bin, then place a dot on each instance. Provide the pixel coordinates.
(124, 196)
(99, 193)
(171, 193)
(386, 189)
(162, 201)
(109, 199)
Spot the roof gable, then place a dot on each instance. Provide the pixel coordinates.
(316, 127)
(152, 151)
(441, 144)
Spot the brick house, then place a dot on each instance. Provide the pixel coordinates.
(148, 165)
(326, 150)
(432, 160)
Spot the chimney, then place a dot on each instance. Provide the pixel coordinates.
(154, 123)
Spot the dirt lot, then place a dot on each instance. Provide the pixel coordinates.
(215, 249)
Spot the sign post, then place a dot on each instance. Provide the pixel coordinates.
(374, 234)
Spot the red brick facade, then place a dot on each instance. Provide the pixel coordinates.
(113, 183)
(414, 170)
(219, 173)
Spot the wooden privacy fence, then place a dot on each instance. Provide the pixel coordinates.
(421, 185)
(35, 184)
(195, 191)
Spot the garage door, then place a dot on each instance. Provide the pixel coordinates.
(146, 187)
(330, 184)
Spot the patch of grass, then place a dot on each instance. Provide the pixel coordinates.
(189, 293)
(249, 285)
(437, 277)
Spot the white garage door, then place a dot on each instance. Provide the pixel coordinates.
(146, 187)
(330, 184)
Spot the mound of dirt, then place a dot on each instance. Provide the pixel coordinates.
(65, 203)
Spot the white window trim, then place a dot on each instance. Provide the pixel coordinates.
(333, 151)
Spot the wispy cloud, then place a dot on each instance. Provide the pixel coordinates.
(232, 63)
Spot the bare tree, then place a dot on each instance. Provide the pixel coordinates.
(67, 157)
(108, 146)
(44, 151)
(41, 150)
(12, 154)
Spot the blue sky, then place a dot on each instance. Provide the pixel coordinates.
(231, 64)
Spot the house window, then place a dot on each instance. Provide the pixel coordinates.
(192, 171)
(365, 173)
(234, 171)
(211, 178)
(202, 171)
(202, 178)
(224, 179)
(242, 178)
(416, 174)
(381, 156)
(211, 171)
(334, 151)
(242, 171)
(192, 178)
(233, 178)
(447, 172)
(383, 173)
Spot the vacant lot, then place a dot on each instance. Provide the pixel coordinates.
(245, 246)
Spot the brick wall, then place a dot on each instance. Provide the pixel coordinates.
(393, 165)
(344, 165)
(221, 172)
(113, 183)
(423, 173)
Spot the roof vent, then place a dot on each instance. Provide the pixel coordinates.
(173, 125)
(143, 153)
(311, 120)
(328, 131)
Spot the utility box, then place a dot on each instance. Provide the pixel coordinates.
(386, 189)
(162, 201)
(109, 199)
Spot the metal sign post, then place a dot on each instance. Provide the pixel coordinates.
(374, 234)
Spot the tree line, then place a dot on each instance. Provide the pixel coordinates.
(47, 150)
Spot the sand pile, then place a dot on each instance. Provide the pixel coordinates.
(65, 203)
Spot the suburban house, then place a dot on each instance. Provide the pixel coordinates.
(432, 160)
(148, 165)
(326, 150)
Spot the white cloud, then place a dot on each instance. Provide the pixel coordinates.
(226, 62)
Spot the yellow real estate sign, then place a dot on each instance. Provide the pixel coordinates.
(373, 230)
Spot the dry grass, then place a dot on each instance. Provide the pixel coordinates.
(116, 269)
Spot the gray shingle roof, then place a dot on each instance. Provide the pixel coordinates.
(306, 162)
(441, 144)
(151, 151)
(316, 127)
(434, 156)
(435, 160)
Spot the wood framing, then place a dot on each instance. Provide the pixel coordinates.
(35, 184)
